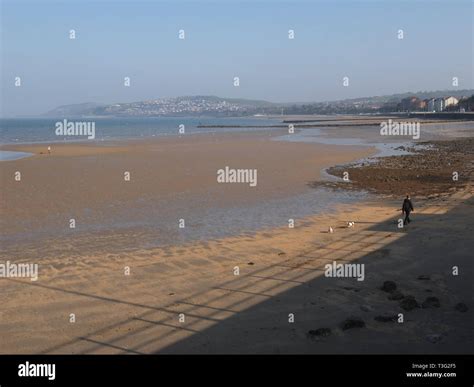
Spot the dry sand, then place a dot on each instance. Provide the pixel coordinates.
(281, 269)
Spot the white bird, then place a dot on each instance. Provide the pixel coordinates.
(330, 230)
(350, 224)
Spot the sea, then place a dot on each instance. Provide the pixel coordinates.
(43, 130)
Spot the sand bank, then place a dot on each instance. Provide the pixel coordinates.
(187, 298)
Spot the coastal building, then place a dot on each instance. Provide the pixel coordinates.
(439, 104)
(449, 101)
(425, 102)
(430, 104)
(466, 104)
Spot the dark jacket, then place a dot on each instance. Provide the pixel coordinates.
(407, 206)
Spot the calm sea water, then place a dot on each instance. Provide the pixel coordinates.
(40, 130)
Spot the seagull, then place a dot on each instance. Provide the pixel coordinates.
(350, 224)
(330, 230)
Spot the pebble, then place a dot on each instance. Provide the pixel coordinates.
(409, 303)
(320, 332)
(461, 307)
(389, 286)
(352, 322)
(434, 338)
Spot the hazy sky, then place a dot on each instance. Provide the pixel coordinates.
(116, 39)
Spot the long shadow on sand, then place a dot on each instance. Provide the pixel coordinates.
(419, 259)
(272, 308)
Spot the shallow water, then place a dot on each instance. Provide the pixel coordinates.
(370, 136)
(154, 223)
(316, 135)
(11, 155)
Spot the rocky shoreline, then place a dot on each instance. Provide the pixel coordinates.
(440, 167)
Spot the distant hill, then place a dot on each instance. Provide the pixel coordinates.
(217, 106)
(81, 109)
(186, 105)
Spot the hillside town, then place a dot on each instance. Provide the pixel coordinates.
(441, 104)
(374, 105)
(174, 106)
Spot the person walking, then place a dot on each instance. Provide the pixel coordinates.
(407, 207)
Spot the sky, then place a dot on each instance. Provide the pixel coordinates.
(227, 39)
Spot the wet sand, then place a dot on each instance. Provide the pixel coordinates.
(186, 298)
(86, 181)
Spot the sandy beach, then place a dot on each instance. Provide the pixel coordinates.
(185, 297)
(237, 179)
(86, 181)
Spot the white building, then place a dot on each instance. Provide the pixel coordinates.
(449, 101)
